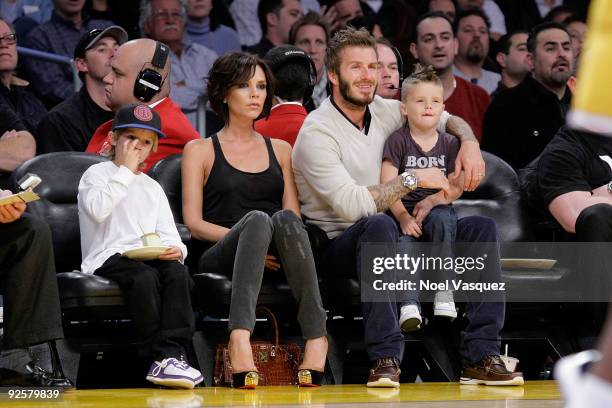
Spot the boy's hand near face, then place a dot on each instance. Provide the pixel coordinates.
(127, 155)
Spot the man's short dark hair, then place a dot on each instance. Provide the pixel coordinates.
(292, 79)
(574, 18)
(555, 11)
(430, 14)
(328, 3)
(263, 8)
(230, 70)
(505, 41)
(468, 13)
(535, 32)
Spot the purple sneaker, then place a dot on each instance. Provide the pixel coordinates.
(174, 373)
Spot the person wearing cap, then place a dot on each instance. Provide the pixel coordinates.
(295, 76)
(54, 82)
(130, 60)
(70, 125)
(118, 205)
(14, 91)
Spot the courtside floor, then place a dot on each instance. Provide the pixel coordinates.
(535, 394)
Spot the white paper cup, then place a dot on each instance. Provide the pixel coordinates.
(151, 239)
(510, 362)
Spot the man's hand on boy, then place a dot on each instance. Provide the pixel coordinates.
(409, 225)
(171, 254)
(422, 210)
(127, 155)
(471, 162)
(433, 178)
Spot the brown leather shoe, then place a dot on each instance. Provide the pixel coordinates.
(385, 373)
(491, 370)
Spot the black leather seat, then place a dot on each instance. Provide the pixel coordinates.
(82, 296)
(498, 197)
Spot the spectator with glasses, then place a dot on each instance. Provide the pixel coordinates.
(164, 21)
(60, 35)
(14, 91)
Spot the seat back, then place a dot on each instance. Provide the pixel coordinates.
(61, 173)
(499, 197)
(167, 172)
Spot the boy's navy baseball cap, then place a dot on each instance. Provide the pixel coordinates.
(139, 116)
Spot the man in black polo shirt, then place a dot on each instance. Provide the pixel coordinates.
(574, 183)
(70, 125)
(521, 121)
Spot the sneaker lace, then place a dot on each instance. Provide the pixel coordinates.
(386, 362)
(181, 364)
(159, 366)
(174, 361)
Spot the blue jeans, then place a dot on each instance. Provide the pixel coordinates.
(440, 228)
(383, 337)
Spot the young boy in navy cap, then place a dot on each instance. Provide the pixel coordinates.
(118, 205)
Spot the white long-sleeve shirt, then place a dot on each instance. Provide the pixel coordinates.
(115, 207)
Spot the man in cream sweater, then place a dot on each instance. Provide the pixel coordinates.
(337, 161)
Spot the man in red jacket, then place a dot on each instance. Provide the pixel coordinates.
(139, 73)
(295, 76)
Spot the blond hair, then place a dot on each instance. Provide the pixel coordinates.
(420, 74)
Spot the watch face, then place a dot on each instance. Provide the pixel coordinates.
(410, 181)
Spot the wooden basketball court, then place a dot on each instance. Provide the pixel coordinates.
(535, 394)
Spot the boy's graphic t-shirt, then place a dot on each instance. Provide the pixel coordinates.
(405, 154)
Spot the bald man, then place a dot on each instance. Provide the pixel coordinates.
(128, 83)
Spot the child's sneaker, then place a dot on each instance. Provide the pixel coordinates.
(444, 305)
(174, 373)
(410, 318)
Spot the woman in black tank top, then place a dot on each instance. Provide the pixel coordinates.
(239, 196)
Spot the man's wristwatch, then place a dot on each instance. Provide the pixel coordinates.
(409, 180)
(610, 187)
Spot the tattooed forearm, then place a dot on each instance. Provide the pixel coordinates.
(386, 194)
(460, 128)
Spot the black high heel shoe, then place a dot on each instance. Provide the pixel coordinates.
(246, 380)
(309, 378)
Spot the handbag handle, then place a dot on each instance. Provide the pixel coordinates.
(262, 310)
